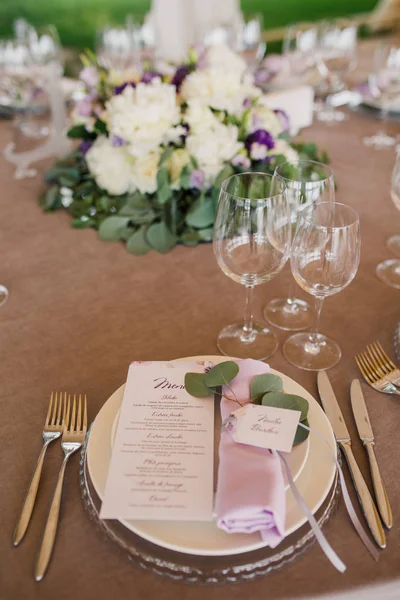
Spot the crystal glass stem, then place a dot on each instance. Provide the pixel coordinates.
(248, 332)
(313, 337)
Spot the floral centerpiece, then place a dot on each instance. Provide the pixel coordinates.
(155, 148)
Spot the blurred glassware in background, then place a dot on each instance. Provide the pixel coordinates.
(116, 47)
(3, 294)
(384, 83)
(299, 51)
(336, 56)
(143, 37)
(388, 271)
(307, 182)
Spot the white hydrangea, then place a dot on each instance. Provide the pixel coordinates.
(142, 116)
(263, 117)
(220, 56)
(219, 88)
(212, 148)
(145, 172)
(111, 167)
(282, 147)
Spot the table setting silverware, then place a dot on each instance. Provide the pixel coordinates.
(52, 430)
(335, 416)
(73, 436)
(366, 434)
(378, 370)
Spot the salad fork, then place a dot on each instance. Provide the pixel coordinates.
(378, 370)
(73, 436)
(52, 430)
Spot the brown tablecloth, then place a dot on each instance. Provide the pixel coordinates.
(80, 310)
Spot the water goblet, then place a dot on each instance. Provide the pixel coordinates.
(384, 82)
(324, 259)
(299, 51)
(335, 56)
(307, 182)
(252, 236)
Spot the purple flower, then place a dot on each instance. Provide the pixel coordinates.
(120, 88)
(85, 146)
(83, 107)
(262, 138)
(148, 76)
(197, 179)
(240, 160)
(283, 119)
(262, 76)
(116, 141)
(89, 76)
(247, 103)
(180, 75)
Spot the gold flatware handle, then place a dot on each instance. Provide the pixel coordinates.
(380, 492)
(49, 535)
(364, 497)
(29, 502)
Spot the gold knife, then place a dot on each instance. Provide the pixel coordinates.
(367, 437)
(342, 435)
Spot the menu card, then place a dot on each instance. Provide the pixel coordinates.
(162, 460)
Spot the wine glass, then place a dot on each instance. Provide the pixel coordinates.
(324, 259)
(249, 43)
(252, 235)
(384, 82)
(299, 50)
(335, 56)
(388, 271)
(116, 47)
(307, 182)
(16, 82)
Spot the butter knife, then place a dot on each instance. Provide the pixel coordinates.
(367, 437)
(342, 435)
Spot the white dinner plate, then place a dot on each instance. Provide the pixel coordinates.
(204, 538)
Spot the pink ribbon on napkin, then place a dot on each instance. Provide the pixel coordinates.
(251, 490)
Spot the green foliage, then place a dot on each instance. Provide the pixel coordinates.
(264, 389)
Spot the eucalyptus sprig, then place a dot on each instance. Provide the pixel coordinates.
(265, 390)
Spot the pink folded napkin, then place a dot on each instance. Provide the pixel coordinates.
(250, 491)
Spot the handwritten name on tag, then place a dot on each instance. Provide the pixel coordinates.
(264, 426)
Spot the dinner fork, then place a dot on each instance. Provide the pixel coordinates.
(378, 370)
(52, 430)
(73, 436)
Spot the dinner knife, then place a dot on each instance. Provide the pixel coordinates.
(342, 435)
(367, 437)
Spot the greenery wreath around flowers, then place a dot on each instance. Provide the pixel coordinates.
(155, 148)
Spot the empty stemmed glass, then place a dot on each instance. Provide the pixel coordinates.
(252, 236)
(299, 51)
(324, 259)
(116, 47)
(307, 182)
(388, 271)
(335, 56)
(384, 82)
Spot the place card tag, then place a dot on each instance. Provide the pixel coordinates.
(264, 426)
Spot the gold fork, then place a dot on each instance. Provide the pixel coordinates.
(378, 370)
(52, 430)
(72, 439)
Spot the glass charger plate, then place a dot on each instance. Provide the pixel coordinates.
(200, 569)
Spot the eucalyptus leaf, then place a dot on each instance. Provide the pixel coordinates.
(165, 155)
(262, 384)
(162, 177)
(226, 172)
(82, 224)
(52, 198)
(100, 126)
(190, 238)
(221, 374)
(201, 214)
(110, 228)
(137, 243)
(80, 132)
(55, 173)
(185, 177)
(287, 401)
(206, 235)
(195, 385)
(160, 238)
(164, 193)
(301, 433)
